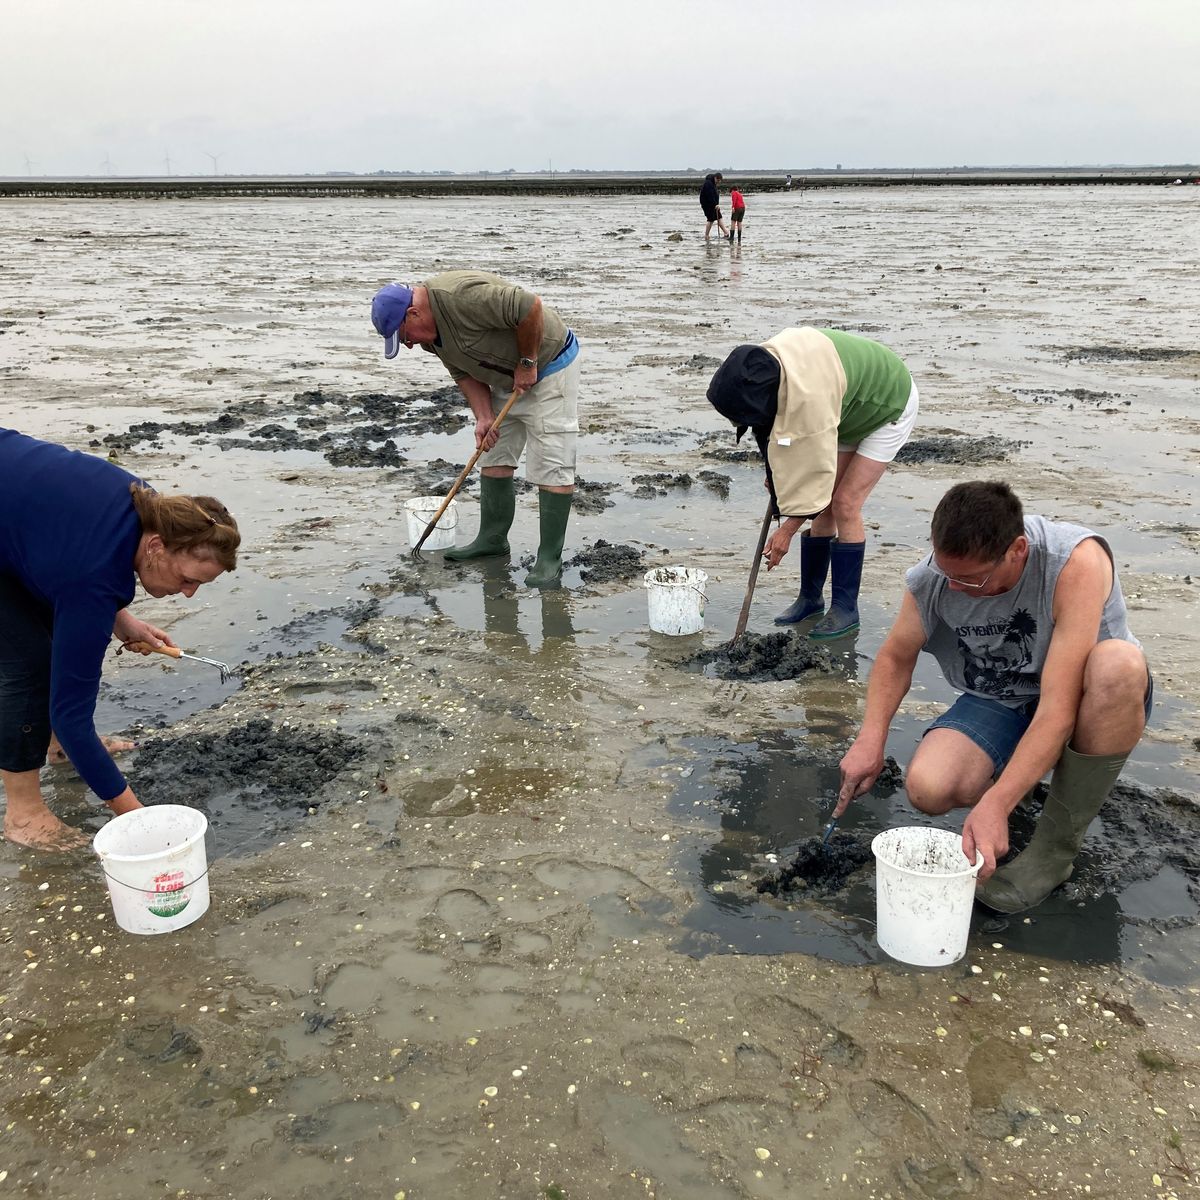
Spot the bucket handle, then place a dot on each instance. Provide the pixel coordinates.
(183, 887)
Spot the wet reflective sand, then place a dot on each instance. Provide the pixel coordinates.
(513, 948)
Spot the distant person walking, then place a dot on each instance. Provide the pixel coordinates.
(496, 338)
(710, 201)
(787, 184)
(737, 211)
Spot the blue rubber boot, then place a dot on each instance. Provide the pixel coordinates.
(814, 566)
(846, 563)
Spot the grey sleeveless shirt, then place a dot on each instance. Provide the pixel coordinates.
(994, 646)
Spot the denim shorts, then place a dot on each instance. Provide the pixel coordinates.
(995, 728)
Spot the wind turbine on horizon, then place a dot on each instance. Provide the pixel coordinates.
(214, 158)
(28, 166)
(167, 160)
(106, 166)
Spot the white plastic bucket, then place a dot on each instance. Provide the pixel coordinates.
(155, 867)
(924, 892)
(419, 512)
(676, 599)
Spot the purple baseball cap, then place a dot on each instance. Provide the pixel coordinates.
(388, 310)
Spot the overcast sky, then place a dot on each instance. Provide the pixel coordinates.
(118, 86)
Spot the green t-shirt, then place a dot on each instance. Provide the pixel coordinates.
(877, 385)
(477, 314)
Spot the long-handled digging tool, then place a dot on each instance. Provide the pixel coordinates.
(744, 615)
(227, 672)
(415, 552)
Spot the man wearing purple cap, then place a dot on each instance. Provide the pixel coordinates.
(496, 338)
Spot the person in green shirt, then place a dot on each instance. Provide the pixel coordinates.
(495, 338)
(829, 411)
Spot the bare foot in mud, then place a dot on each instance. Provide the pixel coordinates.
(55, 755)
(43, 831)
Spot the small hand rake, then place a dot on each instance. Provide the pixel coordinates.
(415, 552)
(227, 672)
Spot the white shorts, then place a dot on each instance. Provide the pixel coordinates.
(544, 423)
(884, 444)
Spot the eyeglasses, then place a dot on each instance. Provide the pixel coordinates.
(964, 582)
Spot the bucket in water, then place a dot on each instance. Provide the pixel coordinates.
(419, 512)
(676, 599)
(155, 867)
(924, 892)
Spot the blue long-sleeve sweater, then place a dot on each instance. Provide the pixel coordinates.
(68, 533)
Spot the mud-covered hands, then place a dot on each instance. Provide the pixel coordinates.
(860, 767)
(986, 831)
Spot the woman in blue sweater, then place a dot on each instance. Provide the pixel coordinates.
(76, 535)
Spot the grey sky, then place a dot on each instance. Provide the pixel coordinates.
(364, 85)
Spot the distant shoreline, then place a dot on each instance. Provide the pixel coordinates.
(567, 183)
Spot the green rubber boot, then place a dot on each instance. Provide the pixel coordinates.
(497, 505)
(554, 510)
(1079, 786)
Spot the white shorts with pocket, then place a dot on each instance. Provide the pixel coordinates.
(884, 444)
(544, 423)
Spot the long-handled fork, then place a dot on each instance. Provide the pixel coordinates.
(437, 516)
(227, 672)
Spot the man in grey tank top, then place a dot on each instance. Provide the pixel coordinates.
(1026, 619)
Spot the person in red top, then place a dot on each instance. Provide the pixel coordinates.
(738, 207)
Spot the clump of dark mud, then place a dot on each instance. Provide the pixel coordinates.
(603, 562)
(818, 867)
(716, 482)
(589, 496)
(359, 430)
(758, 657)
(721, 447)
(659, 484)
(256, 765)
(958, 451)
(1127, 353)
(1072, 396)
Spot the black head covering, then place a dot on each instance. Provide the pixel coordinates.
(745, 389)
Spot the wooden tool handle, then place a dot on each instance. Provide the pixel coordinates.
(437, 516)
(744, 616)
(146, 648)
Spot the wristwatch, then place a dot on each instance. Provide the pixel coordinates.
(527, 362)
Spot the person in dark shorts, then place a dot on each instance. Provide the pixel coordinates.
(77, 533)
(1026, 619)
(710, 201)
(737, 213)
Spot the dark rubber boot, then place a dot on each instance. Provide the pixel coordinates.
(497, 505)
(1078, 788)
(845, 568)
(814, 567)
(554, 510)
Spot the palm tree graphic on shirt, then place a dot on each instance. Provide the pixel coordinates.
(997, 668)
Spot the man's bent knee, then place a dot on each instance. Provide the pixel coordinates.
(933, 792)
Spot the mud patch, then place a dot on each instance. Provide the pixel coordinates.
(589, 497)
(236, 776)
(818, 868)
(958, 451)
(721, 447)
(604, 562)
(1148, 354)
(647, 487)
(760, 657)
(359, 430)
(1071, 397)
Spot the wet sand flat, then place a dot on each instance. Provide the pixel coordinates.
(506, 938)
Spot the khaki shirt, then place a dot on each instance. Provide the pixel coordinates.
(477, 314)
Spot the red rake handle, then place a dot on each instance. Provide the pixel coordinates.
(437, 516)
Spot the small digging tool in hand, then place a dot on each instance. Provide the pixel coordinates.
(227, 672)
(415, 552)
(744, 615)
